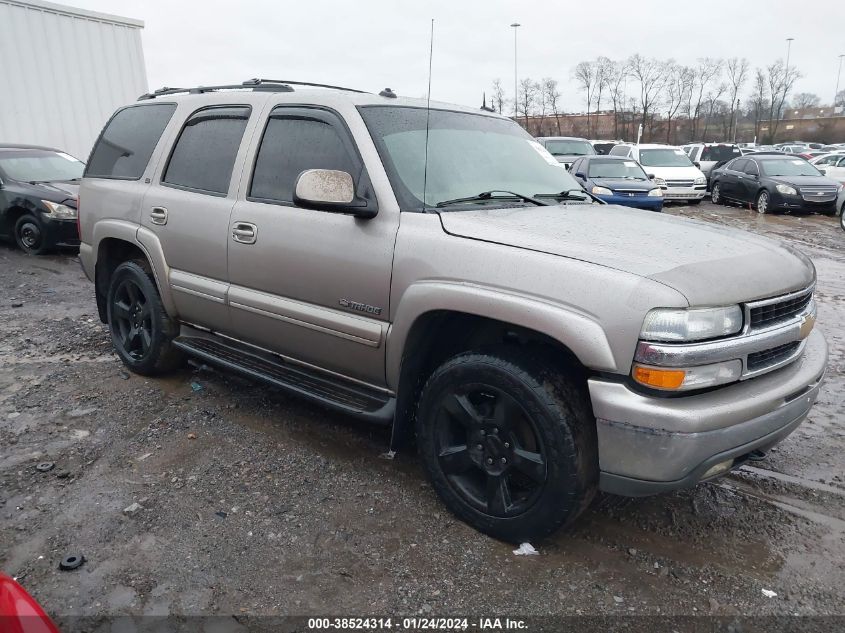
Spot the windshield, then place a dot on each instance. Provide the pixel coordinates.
(719, 153)
(789, 167)
(467, 154)
(31, 165)
(626, 169)
(668, 157)
(562, 147)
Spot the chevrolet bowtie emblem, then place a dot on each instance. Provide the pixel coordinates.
(807, 326)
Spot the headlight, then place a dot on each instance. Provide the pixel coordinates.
(659, 181)
(701, 180)
(601, 191)
(59, 211)
(673, 325)
(656, 193)
(699, 377)
(786, 189)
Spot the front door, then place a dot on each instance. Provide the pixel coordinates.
(188, 208)
(311, 285)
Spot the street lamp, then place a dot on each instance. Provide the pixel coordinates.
(838, 74)
(789, 41)
(736, 120)
(515, 26)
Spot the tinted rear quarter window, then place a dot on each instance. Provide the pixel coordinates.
(128, 140)
(204, 155)
(738, 165)
(292, 144)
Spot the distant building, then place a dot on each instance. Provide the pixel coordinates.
(64, 71)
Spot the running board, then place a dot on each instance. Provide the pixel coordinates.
(331, 391)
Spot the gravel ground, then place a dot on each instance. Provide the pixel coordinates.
(253, 503)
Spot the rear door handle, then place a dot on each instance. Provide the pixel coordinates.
(158, 215)
(244, 232)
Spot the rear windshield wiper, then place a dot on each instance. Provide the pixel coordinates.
(488, 195)
(568, 194)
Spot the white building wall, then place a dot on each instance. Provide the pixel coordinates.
(63, 73)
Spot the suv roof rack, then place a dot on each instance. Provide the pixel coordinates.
(263, 85)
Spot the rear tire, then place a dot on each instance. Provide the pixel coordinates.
(509, 443)
(141, 330)
(716, 194)
(29, 235)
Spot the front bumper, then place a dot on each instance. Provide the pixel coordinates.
(649, 445)
(59, 232)
(650, 203)
(782, 202)
(684, 193)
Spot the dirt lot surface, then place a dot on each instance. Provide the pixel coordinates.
(251, 502)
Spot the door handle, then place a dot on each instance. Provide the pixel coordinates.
(158, 215)
(244, 232)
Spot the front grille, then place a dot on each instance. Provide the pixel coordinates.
(773, 313)
(818, 194)
(771, 357)
(630, 192)
(680, 183)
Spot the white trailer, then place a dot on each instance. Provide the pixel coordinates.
(63, 73)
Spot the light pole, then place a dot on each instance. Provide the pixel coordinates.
(838, 74)
(515, 26)
(736, 120)
(786, 71)
(789, 41)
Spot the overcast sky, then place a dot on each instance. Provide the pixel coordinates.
(371, 44)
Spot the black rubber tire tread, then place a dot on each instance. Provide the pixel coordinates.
(42, 248)
(559, 406)
(164, 357)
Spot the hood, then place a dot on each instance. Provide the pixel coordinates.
(805, 181)
(57, 191)
(690, 172)
(708, 264)
(621, 183)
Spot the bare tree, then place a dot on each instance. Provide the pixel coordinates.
(498, 97)
(780, 81)
(678, 85)
(527, 99)
(707, 71)
(585, 75)
(710, 105)
(617, 74)
(649, 75)
(737, 71)
(552, 97)
(839, 99)
(604, 68)
(759, 99)
(805, 100)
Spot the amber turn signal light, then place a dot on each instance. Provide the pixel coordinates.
(659, 378)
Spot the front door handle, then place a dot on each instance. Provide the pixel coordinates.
(244, 232)
(158, 215)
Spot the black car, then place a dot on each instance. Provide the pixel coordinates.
(38, 197)
(771, 183)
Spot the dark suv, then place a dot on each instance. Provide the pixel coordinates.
(38, 197)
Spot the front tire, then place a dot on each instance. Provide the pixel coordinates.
(716, 194)
(30, 235)
(509, 443)
(141, 330)
(763, 202)
(842, 217)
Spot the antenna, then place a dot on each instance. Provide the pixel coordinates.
(428, 112)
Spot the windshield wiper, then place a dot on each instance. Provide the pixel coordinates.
(568, 195)
(488, 195)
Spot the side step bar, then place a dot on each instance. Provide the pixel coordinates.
(331, 391)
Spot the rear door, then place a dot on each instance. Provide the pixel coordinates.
(729, 181)
(187, 207)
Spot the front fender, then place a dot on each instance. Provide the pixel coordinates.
(576, 330)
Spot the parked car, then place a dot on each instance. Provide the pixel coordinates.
(38, 197)
(672, 170)
(775, 183)
(840, 202)
(604, 147)
(618, 181)
(538, 343)
(566, 148)
(706, 156)
(792, 149)
(832, 164)
(19, 611)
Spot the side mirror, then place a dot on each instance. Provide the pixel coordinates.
(823, 172)
(331, 190)
(580, 176)
(650, 176)
(697, 164)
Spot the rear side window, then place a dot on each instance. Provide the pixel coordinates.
(205, 152)
(127, 142)
(619, 150)
(292, 144)
(738, 165)
(751, 168)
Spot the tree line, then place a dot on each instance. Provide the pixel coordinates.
(710, 97)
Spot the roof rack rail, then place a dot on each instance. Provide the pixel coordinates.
(259, 82)
(265, 85)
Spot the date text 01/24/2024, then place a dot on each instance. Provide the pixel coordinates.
(416, 624)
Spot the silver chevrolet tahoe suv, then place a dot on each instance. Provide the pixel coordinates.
(437, 270)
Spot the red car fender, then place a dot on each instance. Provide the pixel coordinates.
(19, 612)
